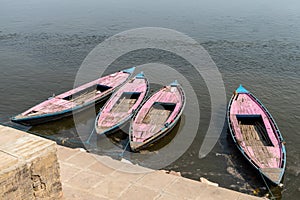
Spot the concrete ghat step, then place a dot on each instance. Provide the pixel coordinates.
(29, 169)
(88, 176)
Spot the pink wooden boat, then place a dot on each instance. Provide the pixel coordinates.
(256, 135)
(157, 116)
(122, 104)
(74, 100)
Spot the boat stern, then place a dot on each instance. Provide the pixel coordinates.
(135, 146)
(273, 174)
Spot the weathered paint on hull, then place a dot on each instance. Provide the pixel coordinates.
(157, 116)
(36, 120)
(66, 104)
(112, 116)
(272, 174)
(135, 146)
(112, 129)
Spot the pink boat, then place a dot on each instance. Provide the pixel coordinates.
(157, 116)
(122, 104)
(74, 100)
(256, 135)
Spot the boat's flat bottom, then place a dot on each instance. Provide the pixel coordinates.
(253, 137)
(124, 105)
(157, 118)
(80, 99)
(118, 112)
(257, 142)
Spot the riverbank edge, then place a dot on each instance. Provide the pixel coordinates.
(84, 175)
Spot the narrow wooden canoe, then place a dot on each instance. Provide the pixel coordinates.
(74, 100)
(122, 105)
(256, 135)
(157, 116)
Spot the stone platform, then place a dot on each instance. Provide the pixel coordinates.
(87, 176)
(30, 169)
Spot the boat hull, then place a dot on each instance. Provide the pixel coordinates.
(41, 119)
(157, 116)
(75, 100)
(121, 106)
(274, 173)
(112, 129)
(137, 146)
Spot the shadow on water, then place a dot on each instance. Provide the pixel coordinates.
(167, 138)
(117, 145)
(121, 139)
(64, 131)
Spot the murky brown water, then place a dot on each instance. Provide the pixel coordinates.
(40, 53)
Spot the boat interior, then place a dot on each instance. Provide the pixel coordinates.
(159, 113)
(253, 130)
(259, 145)
(125, 102)
(81, 96)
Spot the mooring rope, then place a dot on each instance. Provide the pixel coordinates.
(272, 195)
(90, 136)
(57, 139)
(122, 154)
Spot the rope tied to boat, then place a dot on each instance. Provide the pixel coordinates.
(270, 192)
(122, 154)
(90, 136)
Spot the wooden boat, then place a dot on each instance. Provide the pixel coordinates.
(122, 105)
(74, 100)
(256, 135)
(157, 116)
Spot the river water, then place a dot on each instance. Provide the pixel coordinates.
(42, 45)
